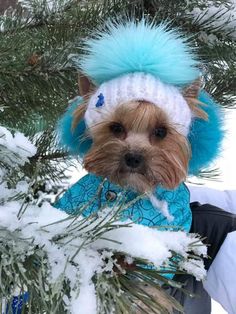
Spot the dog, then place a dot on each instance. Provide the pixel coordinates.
(142, 123)
(136, 146)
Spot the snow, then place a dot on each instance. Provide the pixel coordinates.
(15, 149)
(193, 266)
(52, 228)
(89, 262)
(225, 17)
(6, 193)
(162, 206)
(147, 243)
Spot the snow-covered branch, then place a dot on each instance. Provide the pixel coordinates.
(77, 248)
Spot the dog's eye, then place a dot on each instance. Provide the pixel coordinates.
(160, 132)
(117, 129)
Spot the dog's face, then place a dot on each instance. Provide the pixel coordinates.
(137, 147)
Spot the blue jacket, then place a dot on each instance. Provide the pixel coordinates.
(92, 193)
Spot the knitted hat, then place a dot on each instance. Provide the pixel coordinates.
(139, 61)
(139, 86)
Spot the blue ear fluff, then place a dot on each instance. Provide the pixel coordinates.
(73, 140)
(206, 137)
(142, 46)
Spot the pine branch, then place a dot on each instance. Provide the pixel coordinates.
(119, 284)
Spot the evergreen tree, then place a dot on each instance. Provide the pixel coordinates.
(38, 42)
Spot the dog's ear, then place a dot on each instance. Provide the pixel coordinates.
(193, 90)
(191, 94)
(85, 85)
(85, 88)
(78, 114)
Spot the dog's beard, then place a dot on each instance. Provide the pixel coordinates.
(163, 166)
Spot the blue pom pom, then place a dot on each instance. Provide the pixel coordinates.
(139, 47)
(73, 140)
(206, 137)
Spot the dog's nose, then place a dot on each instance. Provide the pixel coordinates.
(133, 160)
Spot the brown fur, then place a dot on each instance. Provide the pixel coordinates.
(191, 94)
(85, 85)
(166, 160)
(79, 114)
(195, 106)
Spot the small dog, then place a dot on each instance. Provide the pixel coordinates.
(139, 127)
(136, 145)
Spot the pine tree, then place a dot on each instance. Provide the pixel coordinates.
(38, 42)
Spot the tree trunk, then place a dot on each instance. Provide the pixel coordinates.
(4, 4)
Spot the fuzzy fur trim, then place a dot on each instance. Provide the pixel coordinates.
(142, 46)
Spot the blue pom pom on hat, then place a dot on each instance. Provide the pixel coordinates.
(132, 46)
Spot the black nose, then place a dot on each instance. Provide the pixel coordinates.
(133, 160)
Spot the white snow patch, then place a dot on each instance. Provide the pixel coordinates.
(15, 149)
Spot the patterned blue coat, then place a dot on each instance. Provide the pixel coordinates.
(91, 193)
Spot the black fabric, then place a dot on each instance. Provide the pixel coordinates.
(214, 224)
(198, 303)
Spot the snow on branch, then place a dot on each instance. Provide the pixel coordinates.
(15, 149)
(221, 17)
(77, 248)
(63, 261)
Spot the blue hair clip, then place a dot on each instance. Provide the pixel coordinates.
(100, 101)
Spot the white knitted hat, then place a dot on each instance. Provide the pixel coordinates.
(139, 86)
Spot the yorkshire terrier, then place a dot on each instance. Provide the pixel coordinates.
(146, 125)
(136, 145)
